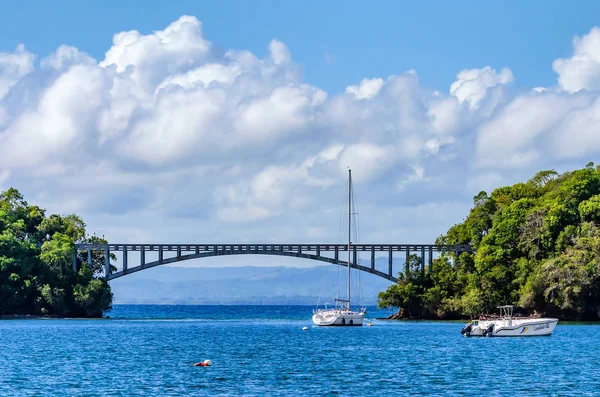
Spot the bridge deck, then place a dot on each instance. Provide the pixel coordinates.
(273, 247)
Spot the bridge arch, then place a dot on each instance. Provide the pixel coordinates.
(176, 259)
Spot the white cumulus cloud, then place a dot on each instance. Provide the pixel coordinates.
(367, 89)
(13, 66)
(582, 70)
(472, 85)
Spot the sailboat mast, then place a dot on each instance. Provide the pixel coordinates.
(349, 227)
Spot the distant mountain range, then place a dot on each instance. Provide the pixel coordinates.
(242, 285)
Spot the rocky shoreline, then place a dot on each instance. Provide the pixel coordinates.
(40, 317)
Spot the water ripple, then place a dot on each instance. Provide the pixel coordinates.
(265, 356)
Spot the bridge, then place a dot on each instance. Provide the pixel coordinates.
(329, 253)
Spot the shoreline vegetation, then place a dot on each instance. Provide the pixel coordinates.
(46, 317)
(536, 246)
(36, 264)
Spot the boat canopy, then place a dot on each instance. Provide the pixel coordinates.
(506, 310)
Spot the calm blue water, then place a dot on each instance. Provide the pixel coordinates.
(261, 350)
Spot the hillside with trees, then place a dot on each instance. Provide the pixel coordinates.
(36, 263)
(536, 245)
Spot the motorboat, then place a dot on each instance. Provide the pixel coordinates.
(342, 315)
(507, 325)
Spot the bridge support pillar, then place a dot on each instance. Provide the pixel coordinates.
(354, 254)
(160, 253)
(107, 262)
(142, 256)
(124, 258)
(430, 259)
(318, 250)
(422, 260)
(336, 254)
(390, 261)
(75, 260)
(407, 263)
(372, 258)
(89, 258)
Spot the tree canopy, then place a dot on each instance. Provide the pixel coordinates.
(36, 263)
(536, 244)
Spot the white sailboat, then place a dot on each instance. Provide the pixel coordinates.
(342, 315)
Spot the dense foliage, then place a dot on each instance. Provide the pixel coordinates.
(537, 246)
(36, 263)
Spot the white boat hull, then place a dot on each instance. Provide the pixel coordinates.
(515, 327)
(336, 317)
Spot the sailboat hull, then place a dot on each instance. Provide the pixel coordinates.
(342, 318)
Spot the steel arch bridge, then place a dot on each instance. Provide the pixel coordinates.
(186, 252)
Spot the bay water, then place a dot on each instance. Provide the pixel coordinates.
(262, 350)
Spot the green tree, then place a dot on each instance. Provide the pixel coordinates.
(36, 260)
(407, 293)
(98, 257)
(537, 245)
(93, 298)
(589, 210)
(58, 254)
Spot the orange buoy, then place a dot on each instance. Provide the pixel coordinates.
(205, 363)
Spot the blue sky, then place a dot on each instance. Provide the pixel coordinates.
(235, 122)
(436, 38)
